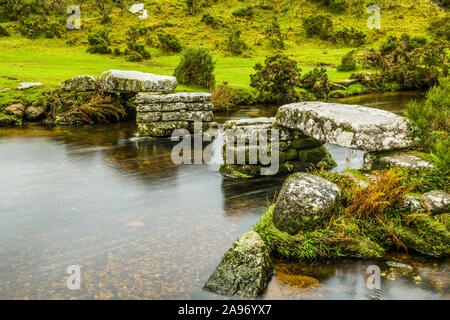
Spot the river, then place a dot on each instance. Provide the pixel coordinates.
(140, 227)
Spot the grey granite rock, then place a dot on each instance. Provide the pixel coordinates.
(78, 83)
(135, 81)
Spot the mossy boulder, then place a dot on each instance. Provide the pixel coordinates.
(305, 202)
(245, 268)
(134, 82)
(78, 83)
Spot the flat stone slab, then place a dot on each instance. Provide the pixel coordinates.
(350, 126)
(176, 106)
(374, 160)
(135, 81)
(79, 83)
(28, 85)
(146, 98)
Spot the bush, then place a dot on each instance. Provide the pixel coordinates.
(210, 21)
(169, 42)
(441, 28)
(53, 30)
(196, 68)
(350, 37)
(245, 12)
(431, 122)
(412, 62)
(317, 82)
(134, 57)
(274, 34)
(275, 82)
(99, 42)
(235, 45)
(32, 26)
(348, 62)
(3, 32)
(192, 6)
(222, 97)
(318, 25)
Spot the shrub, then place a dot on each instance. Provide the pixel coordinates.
(431, 122)
(350, 37)
(274, 34)
(31, 26)
(196, 68)
(3, 32)
(348, 62)
(98, 42)
(169, 42)
(318, 25)
(209, 20)
(134, 57)
(338, 5)
(222, 97)
(53, 30)
(317, 82)
(441, 28)
(192, 6)
(245, 12)
(235, 45)
(275, 81)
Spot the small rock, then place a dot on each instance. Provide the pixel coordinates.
(34, 113)
(28, 85)
(361, 183)
(5, 89)
(399, 265)
(15, 109)
(305, 201)
(6, 121)
(347, 83)
(337, 86)
(436, 201)
(244, 269)
(78, 83)
(414, 204)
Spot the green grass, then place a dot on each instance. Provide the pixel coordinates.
(51, 60)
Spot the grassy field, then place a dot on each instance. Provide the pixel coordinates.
(52, 60)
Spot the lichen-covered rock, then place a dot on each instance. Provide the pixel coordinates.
(28, 85)
(134, 82)
(436, 201)
(78, 83)
(6, 121)
(414, 204)
(304, 203)
(351, 126)
(34, 113)
(15, 109)
(160, 129)
(381, 160)
(206, 116)
(146, 98)
(244, 269)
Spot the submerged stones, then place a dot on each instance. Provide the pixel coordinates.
(251, 149)
(134, 82)
(158, 115)
(244, 269)
(304, 203)
(381, 160)
(79, 83)
(351, 126)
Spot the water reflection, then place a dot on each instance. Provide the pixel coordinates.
(139, 226)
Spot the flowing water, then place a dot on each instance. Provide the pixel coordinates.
(141, 227)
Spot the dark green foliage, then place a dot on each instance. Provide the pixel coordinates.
(32, 26)
(348, 62)
(317, 82)
(211, 21)
(431, 122)
(412, 62)
(350, 37)
(441, 28)
(244, 12)
(3, 32)
(192, 6)
(98, 42)
(275, 82)
(274, 34)
(196, 68)
(319, 25)
(169, 42)
(135, 51)
(235, 45)
(53, 30)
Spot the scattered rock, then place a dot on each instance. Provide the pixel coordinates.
(305, 201)
(134, 82)
(349, 82)
(79, 83)
(351, 126)
(337, 86)
(6, 121)
(436, 201)
(15, 109)
(414, 204)
(34, 113)
(381, 160)
(439, 280)
(361, 183)
(28, 85)
(244, 269)
(5, 89)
